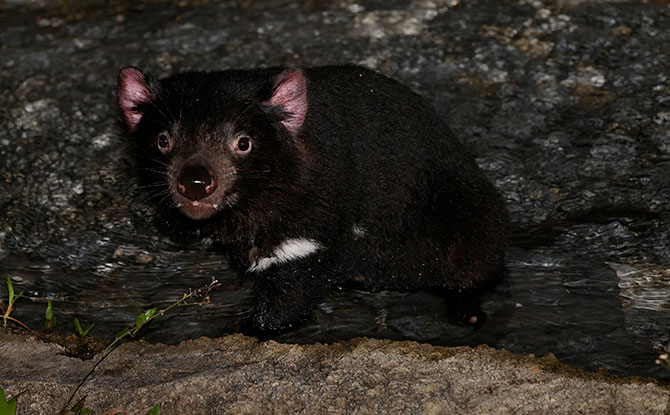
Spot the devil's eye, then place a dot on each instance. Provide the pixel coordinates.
(164, 143)
(243, 144)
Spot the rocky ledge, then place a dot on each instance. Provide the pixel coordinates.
(241, 375)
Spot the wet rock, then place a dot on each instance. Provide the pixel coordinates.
(563, 103)
(644, 286)
(593, 98)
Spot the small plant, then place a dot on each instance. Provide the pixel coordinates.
(49, 317)
(140, 321)
(80, 330)
(8, 407)
(78, 409)
(7, 310)
(155, 410)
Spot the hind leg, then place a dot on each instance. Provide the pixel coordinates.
(459, 269)
(464, 308)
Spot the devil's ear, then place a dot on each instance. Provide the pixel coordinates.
(132, 90)
(290, 95)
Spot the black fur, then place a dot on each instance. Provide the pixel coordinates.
(370, 154)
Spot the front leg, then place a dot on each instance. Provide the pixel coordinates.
(292, 278)
(285, 294)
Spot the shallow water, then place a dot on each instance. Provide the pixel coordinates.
(567, 303)
(567, 110)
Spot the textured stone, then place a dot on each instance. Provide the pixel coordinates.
(240, 375)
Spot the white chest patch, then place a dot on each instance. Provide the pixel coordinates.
(288, 250)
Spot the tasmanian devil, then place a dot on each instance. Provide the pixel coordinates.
(315, 177)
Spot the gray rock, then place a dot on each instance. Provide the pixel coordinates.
(564, 103)
(240, 375)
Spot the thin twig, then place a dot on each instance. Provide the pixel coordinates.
(140, 321)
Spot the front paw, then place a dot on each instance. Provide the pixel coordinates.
(273, 315)
(284, 296)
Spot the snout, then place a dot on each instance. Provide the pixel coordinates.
(201, 186)
(196, 182)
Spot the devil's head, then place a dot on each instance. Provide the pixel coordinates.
(210, 142)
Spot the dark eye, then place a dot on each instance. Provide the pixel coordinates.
(243, 144)
(164, 143)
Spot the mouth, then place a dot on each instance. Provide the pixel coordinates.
(198, 209)
(204, 209)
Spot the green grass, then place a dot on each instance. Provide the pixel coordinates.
(8, 407)
(79, 329)
(7, 309)
(49, 317)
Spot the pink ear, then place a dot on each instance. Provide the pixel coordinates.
(290, 94)
(131, 91)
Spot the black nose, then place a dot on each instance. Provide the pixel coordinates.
(196, 182)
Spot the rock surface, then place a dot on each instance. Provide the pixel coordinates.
(565, 104)
(240, 375)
